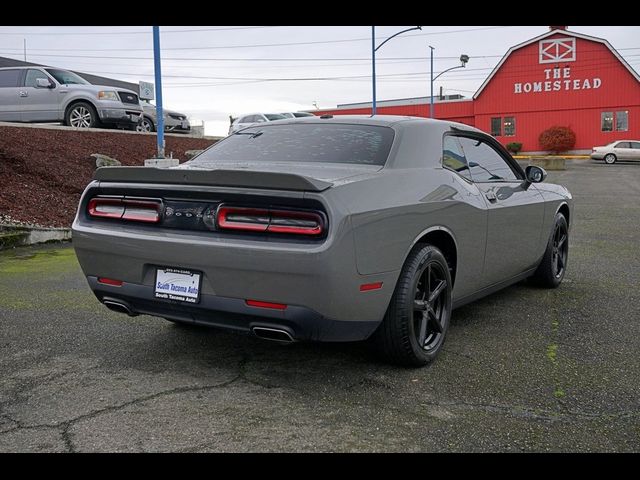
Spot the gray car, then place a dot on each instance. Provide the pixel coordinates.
(44, 94)
(174, 122)
(330, 229)
(623, 150)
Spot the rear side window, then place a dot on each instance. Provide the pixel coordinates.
(623, 145)
(9, 78)
(453, 157)
(303, 142)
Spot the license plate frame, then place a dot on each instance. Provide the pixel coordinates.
(178, 284)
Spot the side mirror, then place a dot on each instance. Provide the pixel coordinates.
(535, 174)
(43, 83)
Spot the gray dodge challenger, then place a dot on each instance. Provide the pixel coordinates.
(325, 229)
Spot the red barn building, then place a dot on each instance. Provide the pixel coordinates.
(558, 78)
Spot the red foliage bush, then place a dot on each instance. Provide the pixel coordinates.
(557, 139)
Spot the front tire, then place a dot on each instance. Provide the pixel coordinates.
(81, 115)
(553, 266)
(610, 159)
(415, 325)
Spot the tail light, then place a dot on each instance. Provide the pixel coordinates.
(147, 211)
(270, 220)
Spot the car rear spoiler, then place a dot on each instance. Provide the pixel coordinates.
(223, 178)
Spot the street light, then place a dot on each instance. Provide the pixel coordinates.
(374, 49)
(463, 63)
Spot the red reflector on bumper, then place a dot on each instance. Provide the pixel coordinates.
(370, 286)
(259, 304)
(110, 281)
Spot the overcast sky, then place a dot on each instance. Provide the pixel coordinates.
(210, 73)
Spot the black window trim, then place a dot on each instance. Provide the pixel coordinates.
(492, 142)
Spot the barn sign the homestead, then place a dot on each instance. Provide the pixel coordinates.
(558, 78)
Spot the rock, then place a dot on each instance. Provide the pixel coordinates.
(161, 162)
(105, 160)
(192, 153)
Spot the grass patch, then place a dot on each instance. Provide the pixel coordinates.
(41, 262)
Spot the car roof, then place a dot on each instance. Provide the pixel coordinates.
(21, 67)
(379, 120)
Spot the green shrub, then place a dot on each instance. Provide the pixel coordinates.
(557, 139)
(514, 147)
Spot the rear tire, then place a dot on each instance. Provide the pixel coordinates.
(417, 319)
(145, 125)
(610, 159)
(553, 266)
(82, 115)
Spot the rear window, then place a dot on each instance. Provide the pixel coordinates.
(304, 142)
(274, 116)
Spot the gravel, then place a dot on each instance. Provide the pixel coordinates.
(43, 172)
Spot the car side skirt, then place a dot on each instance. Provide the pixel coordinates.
(459, 302)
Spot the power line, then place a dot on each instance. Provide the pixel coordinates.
(261, 59)
(288, 44)
(140, 32)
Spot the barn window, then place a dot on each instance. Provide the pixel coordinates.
(622, 121)
(509, 126)
(606, 121)
(496, 126)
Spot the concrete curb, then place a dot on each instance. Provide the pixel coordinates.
(17, 236)
(56, 126)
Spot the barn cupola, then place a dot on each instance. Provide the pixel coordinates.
(557, 28)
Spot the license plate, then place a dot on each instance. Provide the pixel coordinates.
(185, 125)
(178, 284)
(135, 118)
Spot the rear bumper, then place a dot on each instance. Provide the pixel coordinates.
(319, 283)
(233, 314)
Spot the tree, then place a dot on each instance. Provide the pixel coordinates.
(557, 139)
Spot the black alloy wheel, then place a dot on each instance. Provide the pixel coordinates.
(429, 307)
(553, 265)
(560, 250)
(417, 319)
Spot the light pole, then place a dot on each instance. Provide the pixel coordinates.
(463, 60)
(374, 49)
(158, 75)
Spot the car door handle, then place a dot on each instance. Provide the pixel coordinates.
(491, 196)
(22, 93)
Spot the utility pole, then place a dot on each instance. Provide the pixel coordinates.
(24, 43)
(158, 75)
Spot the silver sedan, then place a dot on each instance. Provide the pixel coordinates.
(623, 150)
(174, 122)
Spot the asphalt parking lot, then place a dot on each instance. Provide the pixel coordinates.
(522, 370)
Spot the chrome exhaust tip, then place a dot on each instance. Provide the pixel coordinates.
(273, 334)
(118, 307)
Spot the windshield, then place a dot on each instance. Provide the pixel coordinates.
(67, 78)
(274, 116)
(303, 142)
